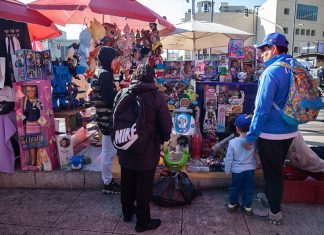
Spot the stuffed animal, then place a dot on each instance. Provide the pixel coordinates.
(191, 94)
(110, 38)
(92, 63)
(146, 39)
(97, 31)
(76, 162)
(85, 40)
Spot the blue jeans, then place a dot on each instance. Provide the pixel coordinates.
(244, 182)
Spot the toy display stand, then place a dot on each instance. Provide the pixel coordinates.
(249, 89)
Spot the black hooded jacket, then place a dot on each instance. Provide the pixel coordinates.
(158, 121)
(104, 89)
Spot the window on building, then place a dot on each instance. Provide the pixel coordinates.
(286, 11)
(296, 49)
(302, 32)
(306, 12)
(297, 31)
(285, 29)
(313, 33)
(323, 34)
(307, 32)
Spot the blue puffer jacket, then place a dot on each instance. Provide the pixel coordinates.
(273, 87)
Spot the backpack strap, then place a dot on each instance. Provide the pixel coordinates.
(286, 65)
(283, 64)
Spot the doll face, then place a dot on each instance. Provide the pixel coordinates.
(31, 92)
(64, 143)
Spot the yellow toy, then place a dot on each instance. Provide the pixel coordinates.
(96, 30)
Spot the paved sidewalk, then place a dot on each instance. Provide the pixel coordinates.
(92, 212)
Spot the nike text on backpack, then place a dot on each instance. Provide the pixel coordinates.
(303, 102)
(129, 123)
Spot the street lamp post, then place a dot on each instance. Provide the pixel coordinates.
(294, 28)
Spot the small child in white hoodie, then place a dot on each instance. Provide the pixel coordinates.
(241, 163)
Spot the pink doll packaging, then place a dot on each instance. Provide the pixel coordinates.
(35, 124)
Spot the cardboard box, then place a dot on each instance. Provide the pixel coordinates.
(35, 124)
(64, 149)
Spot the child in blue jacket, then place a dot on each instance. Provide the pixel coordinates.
(241, 163)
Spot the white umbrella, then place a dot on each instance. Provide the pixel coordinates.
(305, 63)
(196, 35)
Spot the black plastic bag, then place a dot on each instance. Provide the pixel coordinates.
(6, 107)
(175, 189)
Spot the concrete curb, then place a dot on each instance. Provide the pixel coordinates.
(60, 179)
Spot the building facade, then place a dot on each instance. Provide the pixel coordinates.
(302, 21)
(233, 16)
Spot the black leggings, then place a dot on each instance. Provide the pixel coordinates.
(137, 186)
(272, 155)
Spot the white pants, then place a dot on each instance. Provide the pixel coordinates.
(107, 154)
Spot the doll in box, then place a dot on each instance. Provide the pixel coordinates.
(31, 110)
(30, 63)
(47, 64)
(38, 62)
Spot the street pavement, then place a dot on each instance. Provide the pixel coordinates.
(92, 212)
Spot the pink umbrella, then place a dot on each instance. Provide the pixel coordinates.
(120, 12)
(17, 11)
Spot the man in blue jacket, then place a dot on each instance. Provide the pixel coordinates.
(272, 133)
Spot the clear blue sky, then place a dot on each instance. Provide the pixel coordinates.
(174, 10)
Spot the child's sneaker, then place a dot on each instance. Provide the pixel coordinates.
(231, 208)
(248, 211)
(275, 218)
(111, 188)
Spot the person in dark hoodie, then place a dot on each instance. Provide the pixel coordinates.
(104, 92)
(137, 170)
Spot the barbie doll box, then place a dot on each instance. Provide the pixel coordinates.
(35, 124)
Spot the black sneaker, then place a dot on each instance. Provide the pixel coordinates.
(111, 188)
(152, 224)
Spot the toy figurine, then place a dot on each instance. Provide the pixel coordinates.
(32, 107)
(38, 65)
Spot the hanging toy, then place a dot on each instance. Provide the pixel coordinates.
(85, 40)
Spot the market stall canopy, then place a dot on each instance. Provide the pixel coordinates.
(39, 32)
(133, 13)
(17, 11)
(196, 35)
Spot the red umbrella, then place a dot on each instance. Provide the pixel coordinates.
(120, 12)
(39, 32)
(17, 11)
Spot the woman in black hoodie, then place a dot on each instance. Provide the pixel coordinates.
(104, 92)
(137, 170)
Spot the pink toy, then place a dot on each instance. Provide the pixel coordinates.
(35, 124)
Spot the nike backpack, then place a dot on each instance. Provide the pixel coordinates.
(303, 102)
(129, 132)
